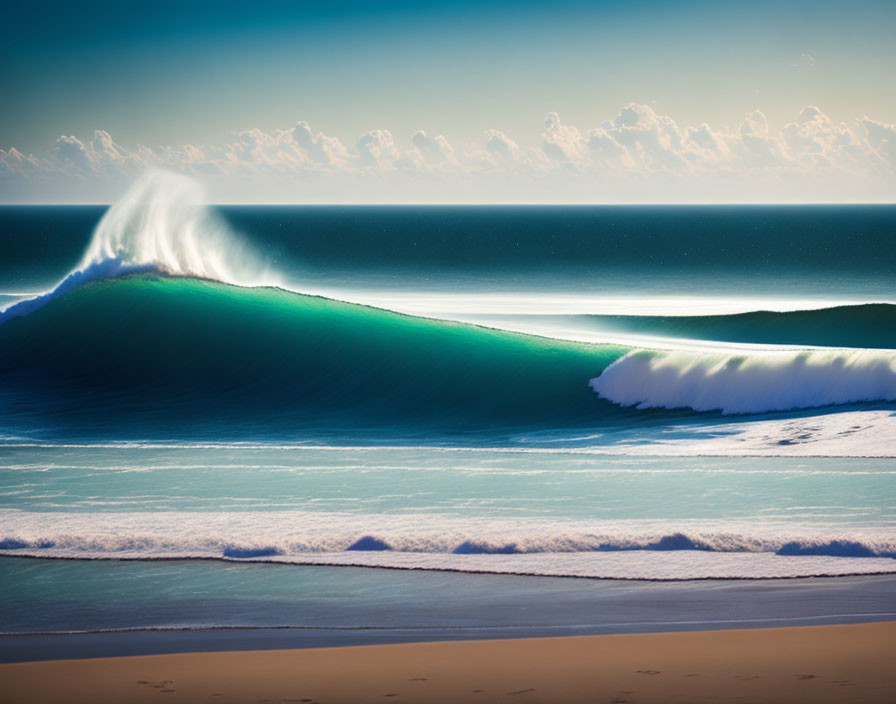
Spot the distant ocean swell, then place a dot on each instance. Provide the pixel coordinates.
(868, 325)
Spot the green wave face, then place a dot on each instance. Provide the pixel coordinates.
(184, 356)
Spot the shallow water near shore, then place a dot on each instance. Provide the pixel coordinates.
(101, 608)
(552, 512)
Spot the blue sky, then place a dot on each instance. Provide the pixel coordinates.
(165, 75)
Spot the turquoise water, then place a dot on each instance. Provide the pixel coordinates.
(416, 505)
(475, 483)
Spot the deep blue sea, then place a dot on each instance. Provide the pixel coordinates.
(626, 393)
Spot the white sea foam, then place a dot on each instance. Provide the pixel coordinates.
(626, 548)
(755, 382)
(162, 222)
(639, 564)
(844, 434)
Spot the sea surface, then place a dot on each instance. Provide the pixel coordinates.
(622, 394)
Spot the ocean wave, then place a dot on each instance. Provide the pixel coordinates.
(292, 534)
(148, 352)
(629, 565)
(867, 325)
(757, 382)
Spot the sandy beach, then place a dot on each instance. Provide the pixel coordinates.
(842, 663)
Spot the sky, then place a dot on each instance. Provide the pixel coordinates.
(488, 101)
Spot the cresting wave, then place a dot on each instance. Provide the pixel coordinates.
(749, 383)
(162, 223)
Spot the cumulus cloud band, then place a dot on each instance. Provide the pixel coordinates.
(637, 156)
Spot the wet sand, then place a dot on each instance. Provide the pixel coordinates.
(842, 663)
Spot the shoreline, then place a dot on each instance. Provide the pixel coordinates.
(285, 562)
(158, 641)
(835, 663)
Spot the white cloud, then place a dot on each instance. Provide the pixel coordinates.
(319, 147)
(882, 139)
(563, 143)
(71, 151)
(377, 149)
(433, 150)
(638, 155)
